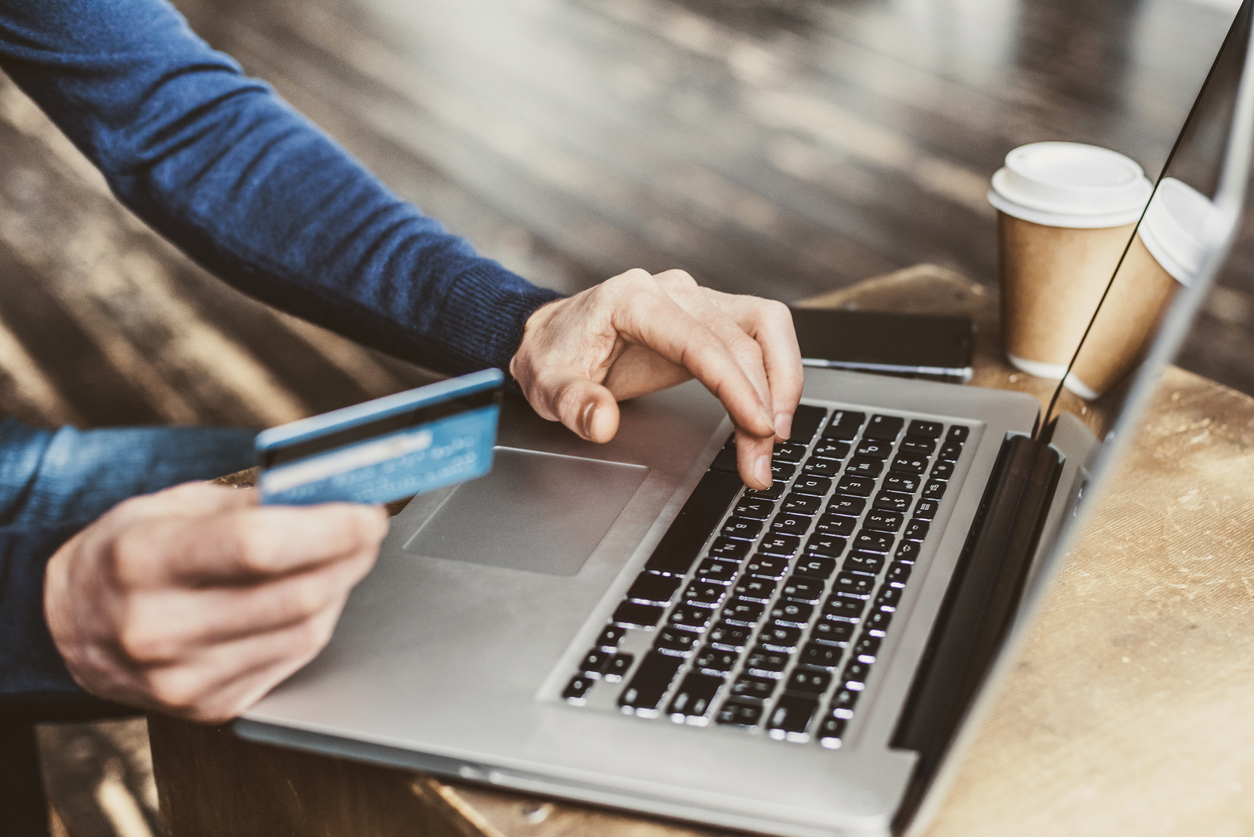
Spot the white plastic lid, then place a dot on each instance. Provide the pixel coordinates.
(1174, 229)
(1069, 184)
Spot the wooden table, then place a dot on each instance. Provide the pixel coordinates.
(1128, 712)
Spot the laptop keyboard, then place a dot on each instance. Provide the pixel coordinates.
(767, 609)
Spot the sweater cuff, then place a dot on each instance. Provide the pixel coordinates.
(485, 312)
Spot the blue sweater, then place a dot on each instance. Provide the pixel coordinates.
(222, 167)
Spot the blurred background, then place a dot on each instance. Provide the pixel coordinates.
(775, 147)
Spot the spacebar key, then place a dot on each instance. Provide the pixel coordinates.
(656, 673)
(681, 545)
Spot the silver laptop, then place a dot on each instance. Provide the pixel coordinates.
(627, 625)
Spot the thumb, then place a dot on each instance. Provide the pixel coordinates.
(587, 408)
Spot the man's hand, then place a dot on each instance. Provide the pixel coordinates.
(638, 333)
(195, 601)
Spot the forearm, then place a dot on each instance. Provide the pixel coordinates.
(224, 169)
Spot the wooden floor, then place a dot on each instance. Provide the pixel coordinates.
(777, 147)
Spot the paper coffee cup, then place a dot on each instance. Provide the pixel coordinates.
(1065, 212)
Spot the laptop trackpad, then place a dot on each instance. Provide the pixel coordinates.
(538, 512)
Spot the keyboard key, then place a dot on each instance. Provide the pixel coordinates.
(801, 589)
(907, 551)
(653, 589)
(741, 528)
(704, 594)
(619, 665)
(695, 694)
(856, 485)
(611, 636)
(854, 676)
(910, 462)
(828, 546)
(808, 681)
(831, 733)
(893, 501)
(806, 504)
(645, 690)
(877, 623)
(755, 588)
(790, 717)
(832, 525)
(926, 509)
(754, 509)
(763, 662)
(676, 641)
(636, 615)
(865, 562)
(791, 524)
(934, 490)
(729, 637)
(832, 631)
(884, 521)
(737, 713)
(782, 471)
(743, 612)
(844, 425)
(942, 471)
(950, 451)
(866, 649)
(918, 445)
(821, 656)
(681, 545)
(901, 481)
(751, 686)
(772, 494)
(831, 449)
(898, 574)
(846, 505)
(854, 584)
(716, 571)
(877, 448)
(577, 689)
(844, 606)
(873, 541)
(716, 660)
(691, 617)
(780, 637)
(792, 613)
(821, 467)
(842, 703)
(865, 466)
(806, 422)
(726, 458)
(815, 566)
(884, 427)
(888, 598)
(931, 429)
(812, 485)
(916, 530)
(789, 452)
(958, 433)
(594, 663)
(777, 544)
(724, 547)
(767, 566)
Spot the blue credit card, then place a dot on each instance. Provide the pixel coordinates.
(386, 449)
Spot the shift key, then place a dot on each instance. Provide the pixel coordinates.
(643, 694)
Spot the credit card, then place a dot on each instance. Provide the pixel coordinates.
(383, 450)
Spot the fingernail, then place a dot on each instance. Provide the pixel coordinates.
(762, 470)
(585, 419)
(783, 425)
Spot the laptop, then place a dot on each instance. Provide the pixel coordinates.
(627, 625)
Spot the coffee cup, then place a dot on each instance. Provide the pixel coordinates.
(1065, 214)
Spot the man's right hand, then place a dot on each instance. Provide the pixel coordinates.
(196, 601)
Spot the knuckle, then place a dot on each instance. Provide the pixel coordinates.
(306, 597)
(176, 689)
(677, 278)
(252, 548)
(140, 640)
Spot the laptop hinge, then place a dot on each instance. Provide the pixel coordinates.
(978, 608)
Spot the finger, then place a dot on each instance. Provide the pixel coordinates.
(589, 409)
(244, 545)
(651, 318)
(753, 459)
(770, 324)
(188, 500)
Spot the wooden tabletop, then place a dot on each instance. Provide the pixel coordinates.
(1127, 713)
